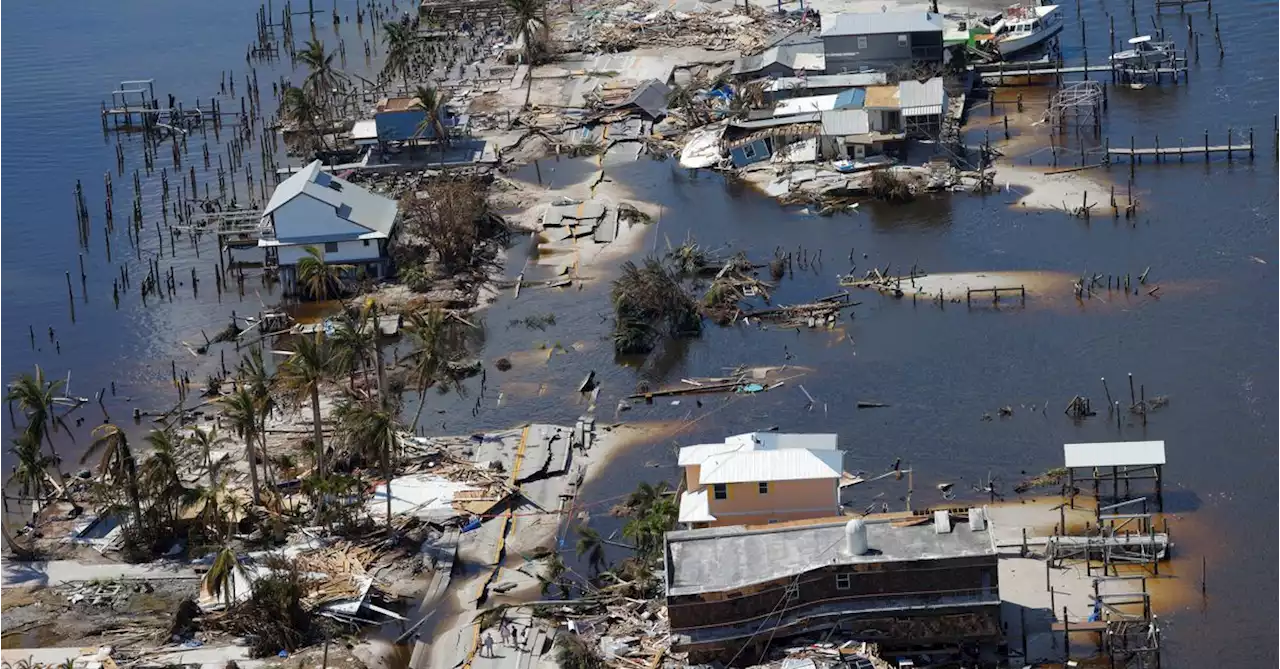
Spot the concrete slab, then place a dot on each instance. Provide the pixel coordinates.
(61, 572)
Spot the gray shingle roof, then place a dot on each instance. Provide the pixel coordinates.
(882, 23)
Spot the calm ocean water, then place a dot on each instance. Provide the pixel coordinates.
(1209, 344)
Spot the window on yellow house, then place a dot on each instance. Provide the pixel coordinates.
(720, 490)
(764, 487)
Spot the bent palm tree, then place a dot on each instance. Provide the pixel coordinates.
(117, 463)
(34, 397)
(220, 574)
(431, 102)
(310, 365)
(321, 281)
(527, 22)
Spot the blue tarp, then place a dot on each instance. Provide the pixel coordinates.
(854, 98)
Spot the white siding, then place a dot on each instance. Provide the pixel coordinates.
(349, 251)
(307, 217)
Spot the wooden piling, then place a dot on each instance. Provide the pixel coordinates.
(71, 300)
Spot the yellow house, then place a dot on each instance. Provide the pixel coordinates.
(761, 477)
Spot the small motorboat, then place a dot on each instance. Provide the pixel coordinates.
(1144, 52)
(1023, 27)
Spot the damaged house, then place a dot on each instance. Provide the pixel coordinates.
(784, 60)
(908, 585)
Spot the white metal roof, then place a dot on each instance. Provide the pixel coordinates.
(922, 99)
(364, 130)
(816, 103)
(1114, 454)
(791, 464)
(881, 23)
(758, 441)
(843, 122)
(1140, 39)
(848, 80)
(350, 202)
(694, 507)
(780, 440)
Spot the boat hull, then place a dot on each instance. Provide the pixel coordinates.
(1014, 45)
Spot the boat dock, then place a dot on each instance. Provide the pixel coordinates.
(1119, 72)
(1135, 154)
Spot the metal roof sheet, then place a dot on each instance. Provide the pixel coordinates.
(882, 23)
(789, 464)
(842, 122)
(758, 441)
(777, 121)
(726, 558)
(922, 98)
(816, 103)
(1114, 454)
(349, 201)
(694, 507)
(800, 56)
(826, 81)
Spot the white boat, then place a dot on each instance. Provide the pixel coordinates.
(1145, 52)
(1022, 28)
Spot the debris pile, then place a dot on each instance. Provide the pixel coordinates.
(632, 25)
(822, 311)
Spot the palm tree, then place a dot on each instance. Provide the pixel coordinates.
(34, 397)
(214, 502)
(117, 463)
(372, 432)
(159, 472)
(241, 408)
(430, 356)
(554, 576)
(402, 44)
(30, 476)
(323, 77)
(219, 576)
(591, 544)
(301, 107)
(353, 344)
(206, 441)
(253, 373)
(431, 102)
(321, 281)
(644, 497)
(311, 364)
(528, 22)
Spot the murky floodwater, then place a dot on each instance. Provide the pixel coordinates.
(1207, 231)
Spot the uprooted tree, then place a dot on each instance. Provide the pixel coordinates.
(649, 303)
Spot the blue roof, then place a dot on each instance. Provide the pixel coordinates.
(851, 99)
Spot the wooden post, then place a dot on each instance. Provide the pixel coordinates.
(1250, 143)
(1228, 144)
(1206, 146)
(71, 300)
